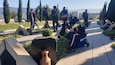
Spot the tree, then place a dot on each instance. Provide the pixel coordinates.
(38, 14)
(28, 10)
(6, 12)
(111, 11)
(20, 11)
(58, 13)
(49, 12)
(36, 11)
(40, 11)
(13, 15)
(46, 16)
(103, 12)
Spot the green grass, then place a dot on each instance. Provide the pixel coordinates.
(12, 26)
(9, 35)
(27, 46)
(8, 26)
(15, 26)
(27, 24)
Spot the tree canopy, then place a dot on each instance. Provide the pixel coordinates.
(6, 12)
(20, 11)
(103, 12)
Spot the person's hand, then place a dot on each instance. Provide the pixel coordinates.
(64, 16)
(71, 30)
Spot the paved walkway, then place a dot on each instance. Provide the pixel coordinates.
(98, 53)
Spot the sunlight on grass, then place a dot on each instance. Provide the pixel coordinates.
(9, 35)
(15, 26)
(27, 24)
(8, 26)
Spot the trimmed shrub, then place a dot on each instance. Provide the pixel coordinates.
(27, 46)
(109, 33)
(67, 35)
(113, 45)
(62, 47)
(47, 32)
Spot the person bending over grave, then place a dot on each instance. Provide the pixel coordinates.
(69, 25)
(73, 20)
(77, 38)
(63, 30)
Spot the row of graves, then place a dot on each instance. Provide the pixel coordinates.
(13, 53)
(44, 51)
(108, 28)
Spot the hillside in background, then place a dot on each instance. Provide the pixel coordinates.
(12, 9)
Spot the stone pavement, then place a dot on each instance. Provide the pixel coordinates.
(98, 53)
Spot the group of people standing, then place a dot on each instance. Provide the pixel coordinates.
(54, 13)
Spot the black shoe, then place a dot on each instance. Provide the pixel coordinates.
(54, 31)
(86, 42)
(71, 50)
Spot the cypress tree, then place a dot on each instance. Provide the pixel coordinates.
(28, 10)
(40, 11)
(58, 12)
(20, 11)
(111, 11)
(103, 12)
(6, 12)
(36, 11)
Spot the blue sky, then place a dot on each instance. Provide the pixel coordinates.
(70, 4)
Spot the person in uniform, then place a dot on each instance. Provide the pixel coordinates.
(55, 18)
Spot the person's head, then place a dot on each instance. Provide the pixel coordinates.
(86, 10)
(54, 7)
(63, 8)
(76, 28)
(45, 8)
(71, 30)
(67, 26)
(31, 9)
